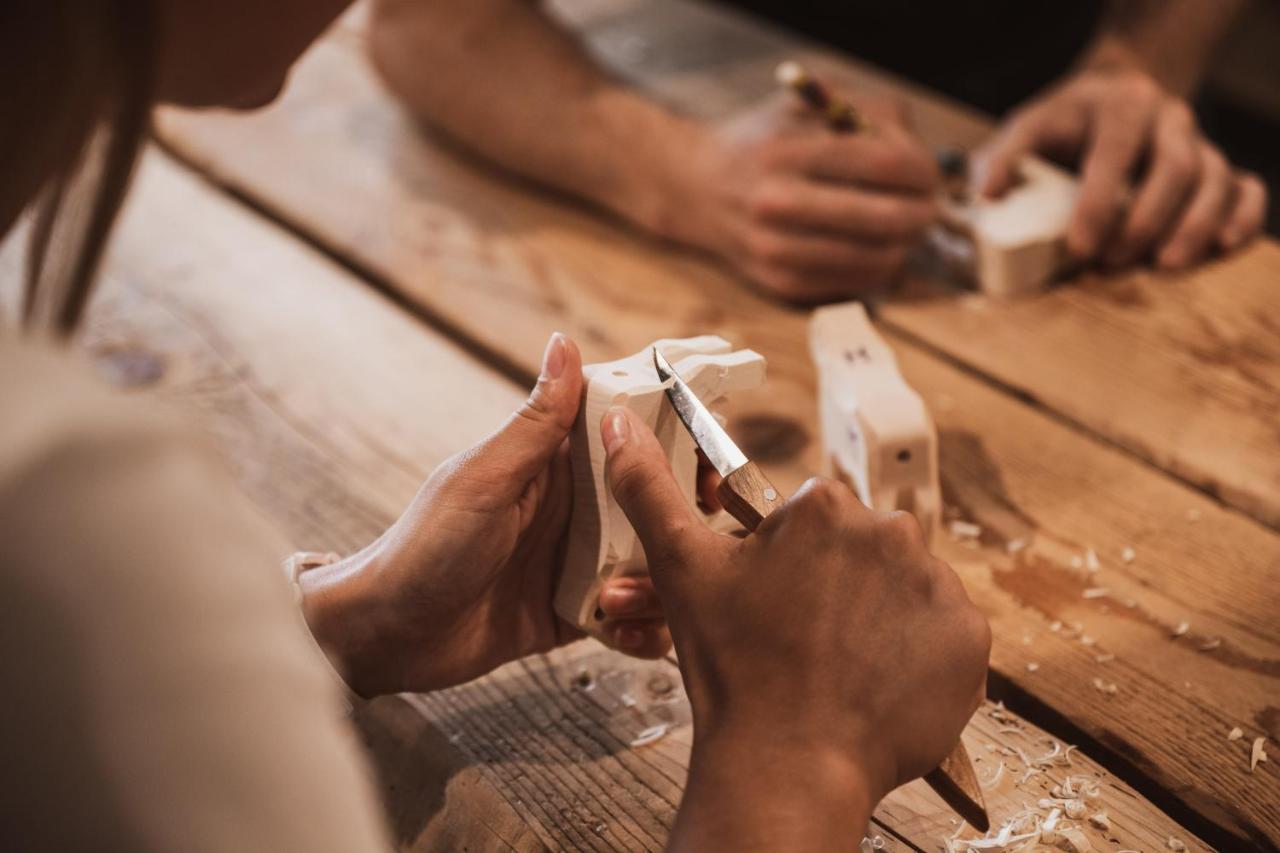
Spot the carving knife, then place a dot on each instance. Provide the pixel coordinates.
(749, 497)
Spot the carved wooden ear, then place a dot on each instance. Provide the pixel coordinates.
(876, 431)
(601, 542)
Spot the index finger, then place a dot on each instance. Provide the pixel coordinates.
(645, 488)
(888, 158)
(1114, 149)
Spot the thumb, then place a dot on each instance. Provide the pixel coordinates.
(1004, 156)
(524, 446)
(643, 485)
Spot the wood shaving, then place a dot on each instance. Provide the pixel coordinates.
(1091, 562)
(1096, 592)
(1105, 687)
(1183, 627)
(1258, 754)
(1235, 734)
(1175, 844)
(1128, 555)
(1013, 546)
(1032, 666)
(1055, 626)
(1087, 640)
(1000, 714)
(1107, 658)
(1077, 562)
(1073, 841)
(1075, 809)
(1210, 644)
(965, 530)
(994, 780)
(651, 734)
(1101, 821)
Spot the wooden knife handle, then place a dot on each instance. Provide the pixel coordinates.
(748, 496)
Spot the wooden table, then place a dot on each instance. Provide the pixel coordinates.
(363, 279)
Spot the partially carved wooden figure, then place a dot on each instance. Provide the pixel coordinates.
(602, 543)
(876, 431)
(1015, 244)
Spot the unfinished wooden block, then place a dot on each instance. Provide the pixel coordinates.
(1015, 244)
(602, 543)
(876, 431)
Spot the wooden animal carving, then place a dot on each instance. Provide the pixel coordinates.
(876, 432)
(602, 543)
(1015, 244)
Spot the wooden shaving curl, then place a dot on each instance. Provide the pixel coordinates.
(651, 734)
(1258, 754)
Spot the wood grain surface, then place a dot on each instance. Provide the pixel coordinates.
(328, 400)
(1181, 370)
(1105, 460)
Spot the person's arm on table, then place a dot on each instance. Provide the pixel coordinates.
(806, 213)
(1123, 117)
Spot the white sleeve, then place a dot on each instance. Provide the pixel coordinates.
(159, 691)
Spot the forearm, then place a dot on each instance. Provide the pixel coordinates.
(1172, 40)
(503, 78)
(761, 793)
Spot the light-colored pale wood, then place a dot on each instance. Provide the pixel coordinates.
(1174, 369)
(298, 370)
(602, 543)
(1014, 245)
(877, 435)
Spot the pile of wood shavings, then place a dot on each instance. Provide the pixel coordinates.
(1058, 821)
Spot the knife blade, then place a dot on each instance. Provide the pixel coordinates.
(748, 496)
(744, 490)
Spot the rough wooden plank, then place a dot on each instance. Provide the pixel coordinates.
(464, 244)
(301, 373)
(340, 132)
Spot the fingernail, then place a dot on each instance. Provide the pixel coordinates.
(554, 358)
(630, 638)
(625, 600)
(615, 430)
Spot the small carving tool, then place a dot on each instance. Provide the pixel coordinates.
(841, 116)
(749, 497)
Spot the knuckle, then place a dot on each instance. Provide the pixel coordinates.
(826, 499)
(768, 203)
(765, 246)
(899, 532)
(1213, 163)
(1183, 166)
(631, 479)
(1138, 86)
(903, 219)
(1180, 112)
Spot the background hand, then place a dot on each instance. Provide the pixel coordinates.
(828, 657)
(464, 581)
(1121, 128)
(807, 213)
